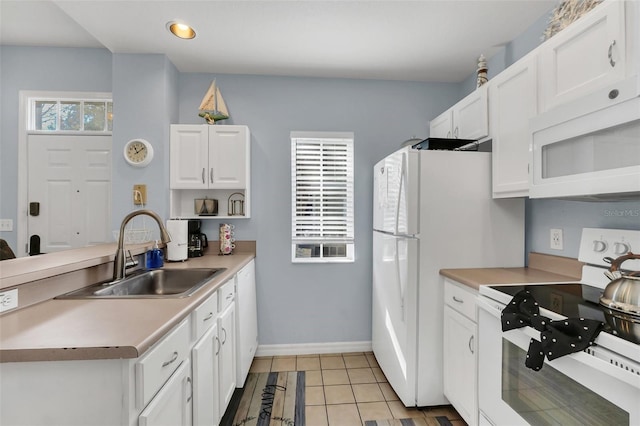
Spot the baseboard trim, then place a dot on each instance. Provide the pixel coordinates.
(313, 348)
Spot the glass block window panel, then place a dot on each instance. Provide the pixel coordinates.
(322, 197)
(109, 116)
(70, 116)
(67, 115)
(95, 115)
(46, 115)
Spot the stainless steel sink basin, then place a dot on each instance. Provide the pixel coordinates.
(157, 283)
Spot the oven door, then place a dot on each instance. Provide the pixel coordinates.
(571, 390)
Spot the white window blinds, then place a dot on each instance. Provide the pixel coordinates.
(322, 196)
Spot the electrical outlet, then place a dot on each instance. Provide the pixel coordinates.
(556, 240)
(6, 225)
(556, 303)
(9, 300)
(139, 194)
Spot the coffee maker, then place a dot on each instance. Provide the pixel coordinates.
(197, 240)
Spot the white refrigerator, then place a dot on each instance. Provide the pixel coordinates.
(431, 210)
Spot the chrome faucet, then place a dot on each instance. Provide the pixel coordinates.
(119, 264)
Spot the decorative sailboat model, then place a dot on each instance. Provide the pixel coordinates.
(213, 108)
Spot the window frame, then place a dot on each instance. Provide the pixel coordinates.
(58, 100)
(344, 243)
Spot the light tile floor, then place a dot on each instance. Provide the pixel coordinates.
(348, 389)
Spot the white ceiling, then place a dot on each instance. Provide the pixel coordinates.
(419, 40)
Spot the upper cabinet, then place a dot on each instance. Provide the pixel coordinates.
(210, 161)
(209, 157)
(590, 54)
(513, 101)
(468, 119)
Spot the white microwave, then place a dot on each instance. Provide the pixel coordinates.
(589, 149)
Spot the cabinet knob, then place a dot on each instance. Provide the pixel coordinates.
(613, 94)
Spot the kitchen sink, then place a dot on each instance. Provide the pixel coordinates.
(157, 283)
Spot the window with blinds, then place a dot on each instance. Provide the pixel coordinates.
(322, 197)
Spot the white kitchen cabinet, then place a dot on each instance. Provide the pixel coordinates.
(206, 386)
(227, 354)
(204, 358)
(467, 119)
(246, 321)
(460, 362)
(513, 101)
(588, 55)
(209, 161)
(172, 405)
(150, 390)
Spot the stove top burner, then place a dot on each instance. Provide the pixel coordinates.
(575, 300)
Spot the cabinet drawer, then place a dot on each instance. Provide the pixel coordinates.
(204, 316)
(157, 365)
(226, 293)
(460, 299)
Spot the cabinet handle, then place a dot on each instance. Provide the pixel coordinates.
(203, 176)
(455, 133)
(449, 134)
(471, 343)
(229, 296)
(455, 299)
(610, 54)
(208, 317)
(218, 341)
(225, 336)
(172, 360)
(190, 383)
(211, 175)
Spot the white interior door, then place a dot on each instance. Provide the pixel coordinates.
(69, 176)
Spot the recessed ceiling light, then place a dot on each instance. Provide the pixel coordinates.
(181, 30)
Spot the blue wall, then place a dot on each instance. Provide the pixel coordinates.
(46, 69)
(313, 303)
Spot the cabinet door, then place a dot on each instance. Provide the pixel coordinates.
(189, 150)
(460, 364)
(440, 127)
(471, 117)
(247, 321)
(205, 379)
(227, 355)
(512, 103)
(586, 56)
(228, 157)
(172, 405)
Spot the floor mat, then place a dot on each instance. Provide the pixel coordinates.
(442, 420)
(269, 399)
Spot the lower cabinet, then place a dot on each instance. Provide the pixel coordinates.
(206, 387)
(186, 378)
(227, 355)
(172, 405)
(460, 362)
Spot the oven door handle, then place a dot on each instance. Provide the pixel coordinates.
(521, 336)
(491, 306)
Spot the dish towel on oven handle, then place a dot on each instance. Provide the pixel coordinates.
(558, 337)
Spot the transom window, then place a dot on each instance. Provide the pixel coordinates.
(322, 216)
(70, 115)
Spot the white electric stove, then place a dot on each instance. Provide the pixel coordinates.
(600, 385)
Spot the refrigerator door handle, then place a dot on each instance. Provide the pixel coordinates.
(400, 189)
(401, 284)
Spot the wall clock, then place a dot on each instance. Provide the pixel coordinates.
(138, 152)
